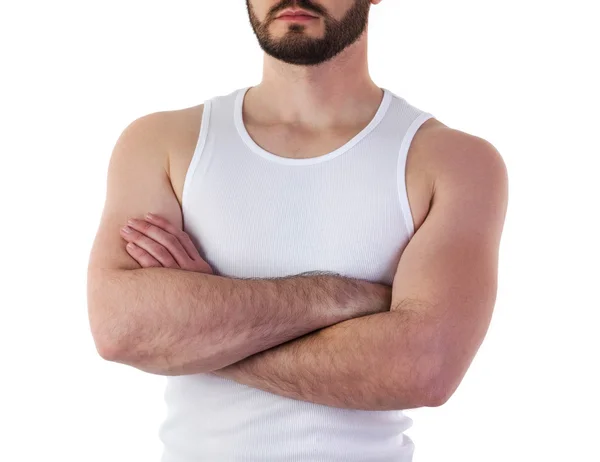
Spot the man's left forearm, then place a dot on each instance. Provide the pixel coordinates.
(383, 361)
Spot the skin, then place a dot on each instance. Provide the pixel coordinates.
(325, 103)
(445, 284)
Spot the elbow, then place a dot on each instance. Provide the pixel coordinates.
(433, 388)
(113, 338)
(108, 343)
(107, 346)
(108, 351)
(443, 383)
(436, 393)
(106, 323)
(114, 350)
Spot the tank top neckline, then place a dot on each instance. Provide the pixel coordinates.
(255, 148)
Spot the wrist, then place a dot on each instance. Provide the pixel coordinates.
(384, 297)
(368, 298)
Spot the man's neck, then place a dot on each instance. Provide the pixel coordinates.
(338, 92)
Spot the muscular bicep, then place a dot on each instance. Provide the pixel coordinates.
(448, 272)
(137, 183)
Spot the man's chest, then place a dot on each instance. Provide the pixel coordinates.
(286, 143)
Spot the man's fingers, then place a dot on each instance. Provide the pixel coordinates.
(155, 249)
(142, 257)
(183, 237)
(163, 238)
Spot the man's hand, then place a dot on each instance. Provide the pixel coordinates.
(155, 242)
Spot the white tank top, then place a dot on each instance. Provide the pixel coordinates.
(253, 214)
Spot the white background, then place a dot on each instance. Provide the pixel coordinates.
(518, 73)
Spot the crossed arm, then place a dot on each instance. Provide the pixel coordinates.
(443, 295)
(416, 353)
(376, 362)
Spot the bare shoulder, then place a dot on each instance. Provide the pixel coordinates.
(180, 127)
(172, 135)
(451, 156)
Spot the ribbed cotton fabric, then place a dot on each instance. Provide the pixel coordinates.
(254, 214)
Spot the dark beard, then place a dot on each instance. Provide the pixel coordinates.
(297, 48)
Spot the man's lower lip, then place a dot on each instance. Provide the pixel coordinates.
(296, 17)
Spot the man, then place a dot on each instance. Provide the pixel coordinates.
(322, 254)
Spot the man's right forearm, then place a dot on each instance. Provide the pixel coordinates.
(175, 322)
